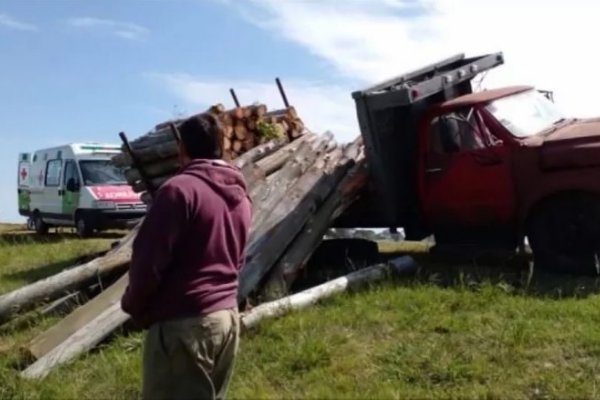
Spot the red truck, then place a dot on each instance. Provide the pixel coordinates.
(480, 169)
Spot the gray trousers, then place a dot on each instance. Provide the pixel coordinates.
(191, 358)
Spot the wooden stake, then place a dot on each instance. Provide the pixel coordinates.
(353, 281)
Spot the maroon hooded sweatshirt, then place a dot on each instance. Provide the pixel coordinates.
(191, 245)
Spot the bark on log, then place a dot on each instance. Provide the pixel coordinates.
(161, 168)
(323, 167)
(79, 342)
(148, 154)
(260, 152)
(399, 267)
(290, 173)
(226, 143)
(287, 219)
(275, 161)
(151, 139)
(71, 279)
(237, 113)
(284, 273)
(304, 158)
(258, 110)
(217, 109)
(248, 143)
(240, 131)
(228, 131)
(57, 334)
(237, 146)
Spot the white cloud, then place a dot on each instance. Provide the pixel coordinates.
(321, 106)
(546, 43)
(9, 22)
(124, 30)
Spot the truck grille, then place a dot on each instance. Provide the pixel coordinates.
(130, 206)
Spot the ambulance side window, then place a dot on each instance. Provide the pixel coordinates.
(53, 169)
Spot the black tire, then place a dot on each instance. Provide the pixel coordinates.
(564, 234)
(83, 227)
(41, 228)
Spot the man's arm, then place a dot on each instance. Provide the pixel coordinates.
(153, 248)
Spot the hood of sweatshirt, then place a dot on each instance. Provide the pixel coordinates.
(225, 179)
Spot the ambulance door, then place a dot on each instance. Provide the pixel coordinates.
(53, 191)
(71, 189)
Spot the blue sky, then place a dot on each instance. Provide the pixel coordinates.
(85, 70)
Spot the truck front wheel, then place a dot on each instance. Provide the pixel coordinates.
(564, 234)
(83, 226)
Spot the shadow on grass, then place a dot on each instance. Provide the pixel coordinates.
(25, 237)
(511, 272)
(35, 274)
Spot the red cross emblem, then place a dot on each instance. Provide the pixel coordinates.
(23, 174)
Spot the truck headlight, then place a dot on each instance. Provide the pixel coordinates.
(104, 204)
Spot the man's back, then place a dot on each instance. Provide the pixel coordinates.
(204, 214)
(184, 270)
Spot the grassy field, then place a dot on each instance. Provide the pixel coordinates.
(451, 332)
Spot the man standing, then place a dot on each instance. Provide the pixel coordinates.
(183, 277)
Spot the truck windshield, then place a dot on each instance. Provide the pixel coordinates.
(525, 114)
(101, 172)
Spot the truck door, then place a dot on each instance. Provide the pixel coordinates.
(468, 192)
(71, 188)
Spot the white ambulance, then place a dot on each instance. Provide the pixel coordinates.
(76, 185)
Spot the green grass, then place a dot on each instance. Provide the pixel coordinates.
(451, 332)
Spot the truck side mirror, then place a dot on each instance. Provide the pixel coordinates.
(72, 185)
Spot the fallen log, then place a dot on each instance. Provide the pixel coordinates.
(71, 279)
(79, 342)
(398, 267)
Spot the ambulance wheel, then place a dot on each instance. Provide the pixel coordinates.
(83, 227)
(41, 228)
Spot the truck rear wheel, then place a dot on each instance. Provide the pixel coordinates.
(564, 234)
(83, 227)
(41, 228)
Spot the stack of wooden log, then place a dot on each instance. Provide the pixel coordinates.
(243, 128)
(298, 188)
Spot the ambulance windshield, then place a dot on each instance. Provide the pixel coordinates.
(101, 172)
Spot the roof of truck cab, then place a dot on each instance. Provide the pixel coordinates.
(484, 96)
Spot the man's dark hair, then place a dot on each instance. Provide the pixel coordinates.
(201, 137)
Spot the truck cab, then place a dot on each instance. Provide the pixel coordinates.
(76, 185)
(481, 169)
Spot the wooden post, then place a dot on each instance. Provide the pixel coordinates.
(282, 93)
(235, 99)
(405, 265)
